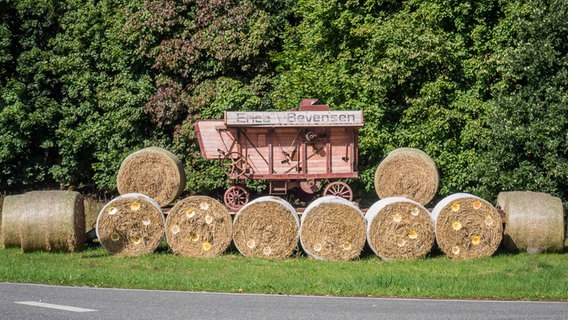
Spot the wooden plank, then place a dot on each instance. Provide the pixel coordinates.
(210, 137)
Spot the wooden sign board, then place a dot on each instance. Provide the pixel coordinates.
(294, 119)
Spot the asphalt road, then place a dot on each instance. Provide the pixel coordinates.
(41, 302)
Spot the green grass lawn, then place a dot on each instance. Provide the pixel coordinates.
(504, 276)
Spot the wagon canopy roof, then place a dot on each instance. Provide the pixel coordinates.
(294, 119)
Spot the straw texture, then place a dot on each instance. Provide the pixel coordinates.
(332, 228)
(154, 172)
(51, 221)
(409, 173)
(267, 227)
(467, 226)
(130, 225)
(198, 226)
(399, 228)
(534, 221)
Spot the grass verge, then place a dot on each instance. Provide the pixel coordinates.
(504, 276)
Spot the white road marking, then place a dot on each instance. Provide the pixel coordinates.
(54, 306)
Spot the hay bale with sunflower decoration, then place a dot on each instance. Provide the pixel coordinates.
(198, 226)
(399, 228)
(130, 225)
(332, 228)
(152, 171)
(534, 221)
(267, 227)
(408, 173)
(467, 226)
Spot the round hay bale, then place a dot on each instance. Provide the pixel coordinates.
(408, 173)
(534, 221)
(153, 171)
(1, 208)
(52, 221)
(199, 226)
(131, 225)
(267, 227)
(467, 226)
(399, 228)
(11, 214)
(92, 208)
(332, 228)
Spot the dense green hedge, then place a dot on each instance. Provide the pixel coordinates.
(480, 85)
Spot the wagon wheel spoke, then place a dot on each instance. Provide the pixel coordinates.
(339, 189)
(233, 164)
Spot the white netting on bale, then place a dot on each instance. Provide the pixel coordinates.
(1, 235)
(199, 226)
(332, 228)
(467, 226)
(399, 228)
(52, 221)
(152, 171)
(131, 225)
(11, 216)
(266, 227)
(534, 221)
(408, 173)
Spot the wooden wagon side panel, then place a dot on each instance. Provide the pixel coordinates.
(286, 151)
(343, 158)
(256, 148)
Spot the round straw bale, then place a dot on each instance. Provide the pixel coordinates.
(534, 221)
(399, 228)
(92, 208)
(199, 226)
(409, 173)
(266, 227)
(1, 208)
(467, 226)
(11, 214)
(153, 171)
(131, 225)
(332, 228)
(52, 221)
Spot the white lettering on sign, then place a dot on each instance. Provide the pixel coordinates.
(294, 118)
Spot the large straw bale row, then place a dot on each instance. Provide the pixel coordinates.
(130, 225)
(409, 173)
(267, 227)
(534, 221)
(152, 171)
(198, 226)
(467, 226)
(332, 228)
(399, 228)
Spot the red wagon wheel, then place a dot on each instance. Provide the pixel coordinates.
(236, 197)
(339, 189)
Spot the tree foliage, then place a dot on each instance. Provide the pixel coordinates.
(478, 85)
(528, 141)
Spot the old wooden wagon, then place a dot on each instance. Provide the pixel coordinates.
(291, 149)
